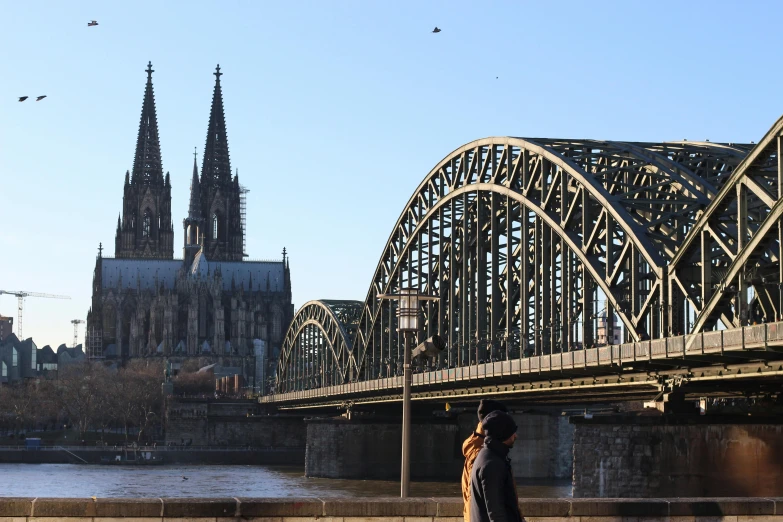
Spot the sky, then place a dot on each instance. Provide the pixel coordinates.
(335, 111)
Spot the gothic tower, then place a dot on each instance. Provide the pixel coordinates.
(145, 229)
(220, 194)
(193, 224)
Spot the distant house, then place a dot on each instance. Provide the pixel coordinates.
(21, 360)
(47, 362)
(6, 327)
(66, 356)
(18, 359)
(608, 333)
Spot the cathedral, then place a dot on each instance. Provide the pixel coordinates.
(211, 303)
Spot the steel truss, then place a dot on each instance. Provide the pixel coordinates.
(317, 345)
(528, 242)
(728, 272)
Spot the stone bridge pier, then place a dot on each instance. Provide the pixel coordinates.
(370, 447)
(678, 456)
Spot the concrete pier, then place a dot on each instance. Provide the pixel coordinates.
(543, 449)
(669, 456)
(369, 448)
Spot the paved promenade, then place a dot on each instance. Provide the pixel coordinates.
(384, 510)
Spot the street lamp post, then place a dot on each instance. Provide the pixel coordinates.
(408, 322)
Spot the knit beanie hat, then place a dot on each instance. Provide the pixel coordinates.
(499, 425)
(487, 406)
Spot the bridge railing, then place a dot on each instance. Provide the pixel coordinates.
(748, 338)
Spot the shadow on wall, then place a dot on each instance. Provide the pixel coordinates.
(722, 460)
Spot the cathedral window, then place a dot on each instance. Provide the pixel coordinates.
(14, 357)
(110, 322)
(146, 224)
(215, 226)
(5, 369)
(277, 325)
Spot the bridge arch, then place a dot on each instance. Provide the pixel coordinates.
(529, 242)
(316, 349)
(579, 189)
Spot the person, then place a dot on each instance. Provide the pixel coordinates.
(493, 494)
(471, 448)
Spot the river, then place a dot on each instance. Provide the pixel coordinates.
(74, 480)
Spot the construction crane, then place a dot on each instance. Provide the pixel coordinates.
(76, 323)
(20, 295)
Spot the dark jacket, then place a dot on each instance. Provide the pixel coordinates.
(493, 495)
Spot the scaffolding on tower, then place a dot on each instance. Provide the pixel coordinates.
(93, 340)
(243, 216)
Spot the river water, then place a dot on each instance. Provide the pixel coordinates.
(77, 480)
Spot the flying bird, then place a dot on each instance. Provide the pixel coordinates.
(39, 98)
(92, 23)
(23, 98)
(436, 30)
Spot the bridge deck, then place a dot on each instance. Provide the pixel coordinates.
(616, 372)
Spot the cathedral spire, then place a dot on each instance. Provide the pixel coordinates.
(194, 212)
(217, 166)
(145, 229)
(147, 169)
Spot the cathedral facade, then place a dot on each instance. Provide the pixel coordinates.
(211, 303)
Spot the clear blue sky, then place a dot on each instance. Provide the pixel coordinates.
(335, 112)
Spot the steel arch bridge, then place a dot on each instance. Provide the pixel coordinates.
(528, 243)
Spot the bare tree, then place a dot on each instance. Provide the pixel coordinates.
(47, 407)
(89, 396)
(7, 420)
(82, 393)
(136, 396)
(20, 405)
(147, 395)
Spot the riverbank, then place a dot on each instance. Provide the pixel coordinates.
(168, 455)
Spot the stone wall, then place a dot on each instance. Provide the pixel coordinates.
(263, 431)
(268, 431)
(543, 448)
(371, 449)
(381, 510)
(208, 422)
(657, 457)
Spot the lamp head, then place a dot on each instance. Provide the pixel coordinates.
(430, 347)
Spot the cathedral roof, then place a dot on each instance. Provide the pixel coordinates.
(145, 273)
(147, 168)
(200, 266)
(139, 272)
(261, 275)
